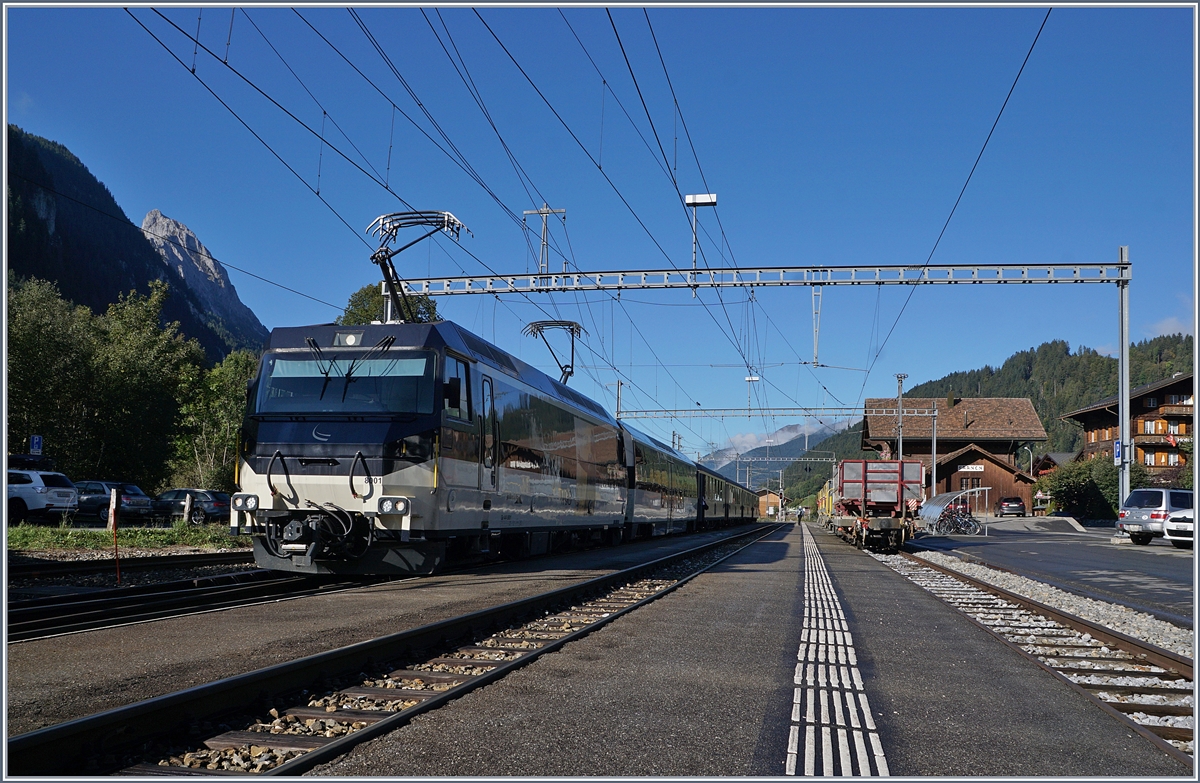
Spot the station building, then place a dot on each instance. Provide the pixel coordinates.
(768, 504)
(978, 441)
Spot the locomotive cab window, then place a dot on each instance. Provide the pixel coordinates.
(456, 388)
(346, 381)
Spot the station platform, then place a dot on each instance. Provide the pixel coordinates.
(715, 680)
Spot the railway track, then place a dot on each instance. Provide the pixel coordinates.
(1146, 687)
(288, 718)
(39, 618)
(58, 568)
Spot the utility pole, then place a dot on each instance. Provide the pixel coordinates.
(933, 458)
(544, 259)
(1124, 442)
(900, 414)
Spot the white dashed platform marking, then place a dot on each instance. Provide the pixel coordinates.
(832, 732)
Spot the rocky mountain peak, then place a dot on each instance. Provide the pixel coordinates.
(190, 262)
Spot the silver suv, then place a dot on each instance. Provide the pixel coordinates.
(39, 493)
(1145, 511)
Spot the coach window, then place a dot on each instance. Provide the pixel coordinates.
(459, 407)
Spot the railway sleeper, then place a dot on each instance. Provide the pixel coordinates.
(347, 707)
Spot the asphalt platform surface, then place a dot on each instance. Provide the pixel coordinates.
(700, 683)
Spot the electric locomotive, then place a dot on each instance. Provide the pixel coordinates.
(390, 448)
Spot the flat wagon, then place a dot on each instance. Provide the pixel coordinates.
(873, 503)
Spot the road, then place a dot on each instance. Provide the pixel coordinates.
(1157, 578)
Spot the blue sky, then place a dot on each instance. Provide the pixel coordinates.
(831, 136)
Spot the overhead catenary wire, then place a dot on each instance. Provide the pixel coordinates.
(247, 127)
(125, 221)
(290, 114)
(383, 184)
(957, 201)
(290, 168)
(607, 178)
(464, 75)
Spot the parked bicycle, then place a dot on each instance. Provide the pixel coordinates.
(956, 523)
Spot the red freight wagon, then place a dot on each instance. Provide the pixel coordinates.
(877, 500)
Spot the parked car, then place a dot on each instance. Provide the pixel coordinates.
(1145, 511)
(206, 504)
(132, 503)
(1006, 506)
(39, 493)
(1179, 529)
(960, 504)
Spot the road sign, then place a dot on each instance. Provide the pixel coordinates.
(35, 444)
(1117, 452)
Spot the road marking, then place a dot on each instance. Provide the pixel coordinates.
(829, 695)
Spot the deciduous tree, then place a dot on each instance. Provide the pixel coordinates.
(366, 305)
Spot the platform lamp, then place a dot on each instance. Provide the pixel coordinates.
(698, 200)
(749, 380)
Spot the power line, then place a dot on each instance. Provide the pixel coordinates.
(945, 225)
(310, 93)
(247, 127)
(292, 116)
(124, 220)
(608, 179)
(283, 109)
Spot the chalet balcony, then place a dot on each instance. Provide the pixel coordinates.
(1175, 410)
(1141, 439)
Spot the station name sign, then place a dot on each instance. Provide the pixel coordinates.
(970, 468)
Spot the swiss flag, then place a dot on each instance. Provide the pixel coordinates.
(1171, 439)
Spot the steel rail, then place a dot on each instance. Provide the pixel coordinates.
(1067, 587)
(50, 568)
(67, 748)
(1142, 651)
(58, 615)
(1150, 653)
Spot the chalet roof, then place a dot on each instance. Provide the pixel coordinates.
(971, 418)
(945, 459)
(1111, 402)
(1060, 457)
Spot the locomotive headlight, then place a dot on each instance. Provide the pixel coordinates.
(245, 502)
(393, 506)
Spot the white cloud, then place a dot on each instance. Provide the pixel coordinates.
(1171, 325)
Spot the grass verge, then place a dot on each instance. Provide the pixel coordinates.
(216, 536)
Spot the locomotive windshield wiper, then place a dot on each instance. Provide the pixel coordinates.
(320, 357)
(380, 347)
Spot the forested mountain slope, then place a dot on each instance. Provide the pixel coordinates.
(64, 226)
(1059, 381)
(1055, 379)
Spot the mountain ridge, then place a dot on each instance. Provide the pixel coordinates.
(66, 227)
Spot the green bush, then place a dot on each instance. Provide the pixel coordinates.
(1089, 489)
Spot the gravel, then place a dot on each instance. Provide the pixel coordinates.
(1120, 618)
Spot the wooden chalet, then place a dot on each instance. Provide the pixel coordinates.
(1160, 415)
(977, 442)
(1051, 461)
